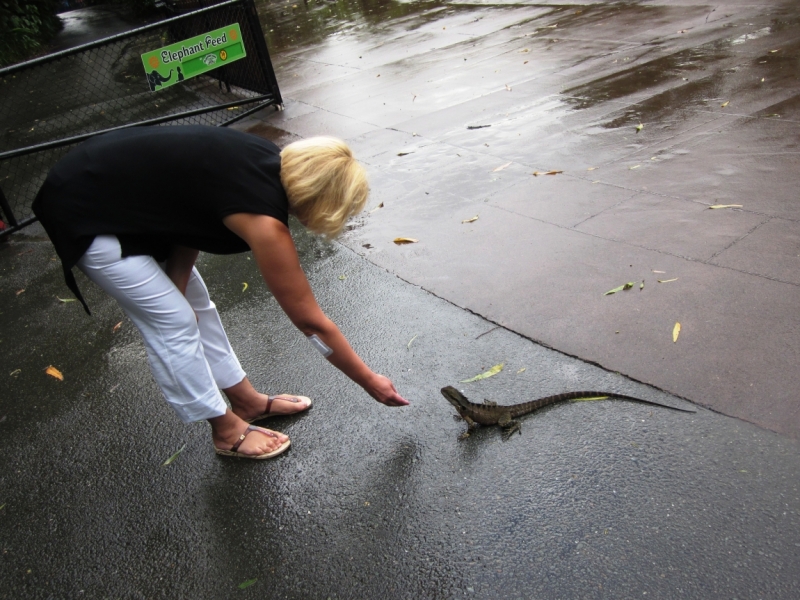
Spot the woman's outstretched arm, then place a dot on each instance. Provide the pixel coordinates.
(275, 253)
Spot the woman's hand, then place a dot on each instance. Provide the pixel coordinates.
(383, 390)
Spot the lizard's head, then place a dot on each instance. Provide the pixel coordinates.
(456, 398)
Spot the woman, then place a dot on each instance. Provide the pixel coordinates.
(133, 208)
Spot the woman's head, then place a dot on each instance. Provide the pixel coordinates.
(324, 183)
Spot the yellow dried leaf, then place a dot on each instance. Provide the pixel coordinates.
(410, 341)
(501, 167)
(634, 167)
(591, 168)
(525, 50)
(53, 372)
(676, 332)
(654, 271)
(725, 206)
(537, 173)
(116, 327)
(667, 280)
(470, 220)
(244, 286)
(376, 208)
(522, 370)
(65, 300)
(405, 240)
(724, 104)
(639, 127)
(493, 371)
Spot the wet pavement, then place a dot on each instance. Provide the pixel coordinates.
(651, 112)
(594, 499)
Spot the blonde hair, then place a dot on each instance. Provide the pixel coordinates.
(324, 183)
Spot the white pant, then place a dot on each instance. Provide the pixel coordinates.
(190, 357)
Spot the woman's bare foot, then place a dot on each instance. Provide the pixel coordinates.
(228, 428)
(248, 403)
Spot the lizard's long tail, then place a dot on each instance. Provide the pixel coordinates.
(528, 407)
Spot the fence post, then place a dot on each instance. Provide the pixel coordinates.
(261, 48)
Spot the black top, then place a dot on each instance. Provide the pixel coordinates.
(154, 187)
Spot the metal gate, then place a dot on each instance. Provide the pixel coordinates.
(49, 104)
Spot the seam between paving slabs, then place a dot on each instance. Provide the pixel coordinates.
(657, 251)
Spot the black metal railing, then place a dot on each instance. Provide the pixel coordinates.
(49, 104)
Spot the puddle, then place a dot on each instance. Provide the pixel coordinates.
(640, 77)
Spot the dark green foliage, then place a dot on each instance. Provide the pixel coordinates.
(24, 26)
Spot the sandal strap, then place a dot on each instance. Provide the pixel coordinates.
(270, 399)
(250, 428)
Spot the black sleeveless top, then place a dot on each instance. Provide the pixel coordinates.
(154, 187)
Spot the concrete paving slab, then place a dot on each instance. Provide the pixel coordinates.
(678, 227)
(771, 250)
(560, 200)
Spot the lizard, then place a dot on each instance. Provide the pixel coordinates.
(490, 413)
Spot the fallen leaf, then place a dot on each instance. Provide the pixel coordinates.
(592, 168)
(634, 167)
(676, 332)
(404, 153)
(244, 286)
(65, 300)
(342, 277)
(725, 206)
(367, 246)
(525, 63)
(15, 372)
(173, 457)
(525, 50)
(508, 87)
(493, 371)
(537, 173)
(249, 582)
(639, 127)
(471, 220)
(378, 75)
(20, 291)
(376, 208)
(724, 104)
(641, 285)
(2, 506)
(116, 327)
(53, 372)
(501, 167)
(667, 280)
(411, 340)
(522, 369)
(774, 51)
(659, 271)
(405, 240)
(477, 126)
(625, 286)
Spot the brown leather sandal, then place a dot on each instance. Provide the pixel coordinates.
(250, 428)
(288, 397)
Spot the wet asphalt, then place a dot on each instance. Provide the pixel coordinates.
(594, 499)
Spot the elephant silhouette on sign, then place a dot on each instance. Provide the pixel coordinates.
(154, 78)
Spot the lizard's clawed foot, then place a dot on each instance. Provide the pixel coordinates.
(514, 427)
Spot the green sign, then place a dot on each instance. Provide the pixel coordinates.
(174, 63)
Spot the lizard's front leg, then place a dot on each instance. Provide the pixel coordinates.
(471, 426)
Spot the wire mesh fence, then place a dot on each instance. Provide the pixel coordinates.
(49, 104)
